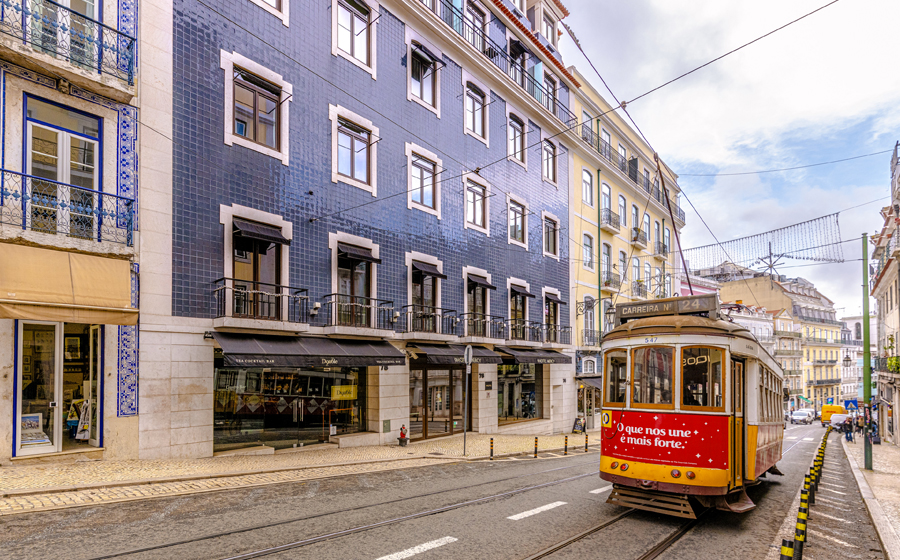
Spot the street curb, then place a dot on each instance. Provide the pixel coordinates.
(890, 544)
(188, 478)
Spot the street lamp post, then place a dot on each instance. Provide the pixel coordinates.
(867, 356)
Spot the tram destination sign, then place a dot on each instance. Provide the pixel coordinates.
(708, 303)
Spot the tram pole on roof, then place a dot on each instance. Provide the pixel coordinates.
(867, 356)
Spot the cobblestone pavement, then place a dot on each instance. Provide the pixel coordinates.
(43, 487)
(883, 478)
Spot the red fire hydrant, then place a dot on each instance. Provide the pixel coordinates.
(403, 439)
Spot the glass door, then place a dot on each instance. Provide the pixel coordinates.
(737, 406)
(38, 428)
(94, 386)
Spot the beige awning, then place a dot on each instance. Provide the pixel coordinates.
(47, 285)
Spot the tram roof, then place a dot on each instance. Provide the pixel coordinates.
(678, 324)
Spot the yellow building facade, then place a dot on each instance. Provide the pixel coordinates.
(622, 238)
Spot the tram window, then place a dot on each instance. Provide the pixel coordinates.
(701, 376)
(738, 370)
(653, 376)
(616, 376)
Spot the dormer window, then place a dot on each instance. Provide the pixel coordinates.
(549, 29)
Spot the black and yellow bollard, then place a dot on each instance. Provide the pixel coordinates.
(492, 449)
(800, 534)
(585, 442)
(811, 491)
(787, 550)
(535, 447)
(566, 448)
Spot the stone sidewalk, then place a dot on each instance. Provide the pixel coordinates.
(78, 483)
(880, 488)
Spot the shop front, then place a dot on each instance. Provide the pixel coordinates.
(284, 391)
(437, 395)
(523, 384)
(590, 400)
(62, 306)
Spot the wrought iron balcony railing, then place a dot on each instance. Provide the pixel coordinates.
(37, 204)
(639, 289)
(478, 38)
(824, 362)
(810, 319)
(662, 249)
(485, 326)
(833, 381)
(610, 279)
(791, 334)
(557, 334)
(591, 338)
(609, 218)
(788, 352)
(259, 300)
(529, 331)
(63, 33)
(638, 236)
(428, 319)
(344, 310)
(790, 372)
(645, 183)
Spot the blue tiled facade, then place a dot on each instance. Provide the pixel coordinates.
(209, 173)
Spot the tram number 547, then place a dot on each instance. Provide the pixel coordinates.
(651, 339)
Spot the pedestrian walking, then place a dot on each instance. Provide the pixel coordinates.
(859, 424)
(847, 426)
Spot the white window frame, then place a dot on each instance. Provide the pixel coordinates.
(513, 112)
(227, 214)
(227, 61)
(466, 270)
(436, 186)
(623, 219)
(544, 18)
(510, 198)
(340, 237)
(478, 180)
(335, 113)
(519, 282)
(592, 362)
(374, 9)
(411, 37)
(548, 290)
(466, 78)
(283, 14)
(556, 156)
(607, 190)
(544, 217)
(428, 259)
(591, 175)
(584, 263)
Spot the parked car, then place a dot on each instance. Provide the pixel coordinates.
(830, 409)
(838, 419)
(801, 417)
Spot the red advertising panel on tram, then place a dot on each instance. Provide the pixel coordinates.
(692, 440)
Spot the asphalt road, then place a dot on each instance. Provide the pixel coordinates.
(503, 509)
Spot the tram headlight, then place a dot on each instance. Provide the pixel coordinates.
(676, 473)
(690, 475)
(624, 466)
(614, 465)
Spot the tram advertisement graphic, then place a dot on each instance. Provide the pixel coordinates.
(669, 439)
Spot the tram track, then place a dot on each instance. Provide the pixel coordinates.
(306, 542)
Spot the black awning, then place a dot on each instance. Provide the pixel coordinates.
(554, 297)
(454, 354)
(243, 350)
(262, 232)
(528, 356)
(357, 253)
(520, 291)
(480, 281)
(427, 52)
(516, 48)
(428, 270)
(595, 382)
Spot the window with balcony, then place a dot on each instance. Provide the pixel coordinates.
(548, 29)
(587, 251)
(587, 132)
(587, 187)
(549, 161)
(353, 151)
(647, 224)
(635, 216)
(63, 151)
(516, 136)
(551, 318)
(605, 197)
(517, 221)
(423, 316)
(423, 76)
(623, 265)
(476, 210)
(636, 269)
(623, 159)
(648, 277)
(354, 276)
(550, 94)
(257, 273)
(422, 179)
(475, 100)
(474, 26)
(256, 109)
(606, 258)
(605, 144)
(551, 237)
(353, 30)
(623, 210)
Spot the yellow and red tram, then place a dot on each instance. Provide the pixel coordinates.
(692, 408)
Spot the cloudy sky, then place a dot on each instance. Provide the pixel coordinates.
(824, 88)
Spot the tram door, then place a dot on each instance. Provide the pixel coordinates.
(737, 436)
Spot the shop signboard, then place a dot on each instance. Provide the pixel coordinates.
(343, 392)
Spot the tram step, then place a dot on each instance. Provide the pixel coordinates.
(669, 504)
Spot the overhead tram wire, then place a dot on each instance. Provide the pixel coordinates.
(785, 168)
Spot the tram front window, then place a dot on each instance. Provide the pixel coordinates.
(616, 375)
(701, 374)
(653, 376)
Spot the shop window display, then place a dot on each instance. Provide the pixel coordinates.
(520, 392)
(284, 408)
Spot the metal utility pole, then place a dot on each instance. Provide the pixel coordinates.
(867, 356)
